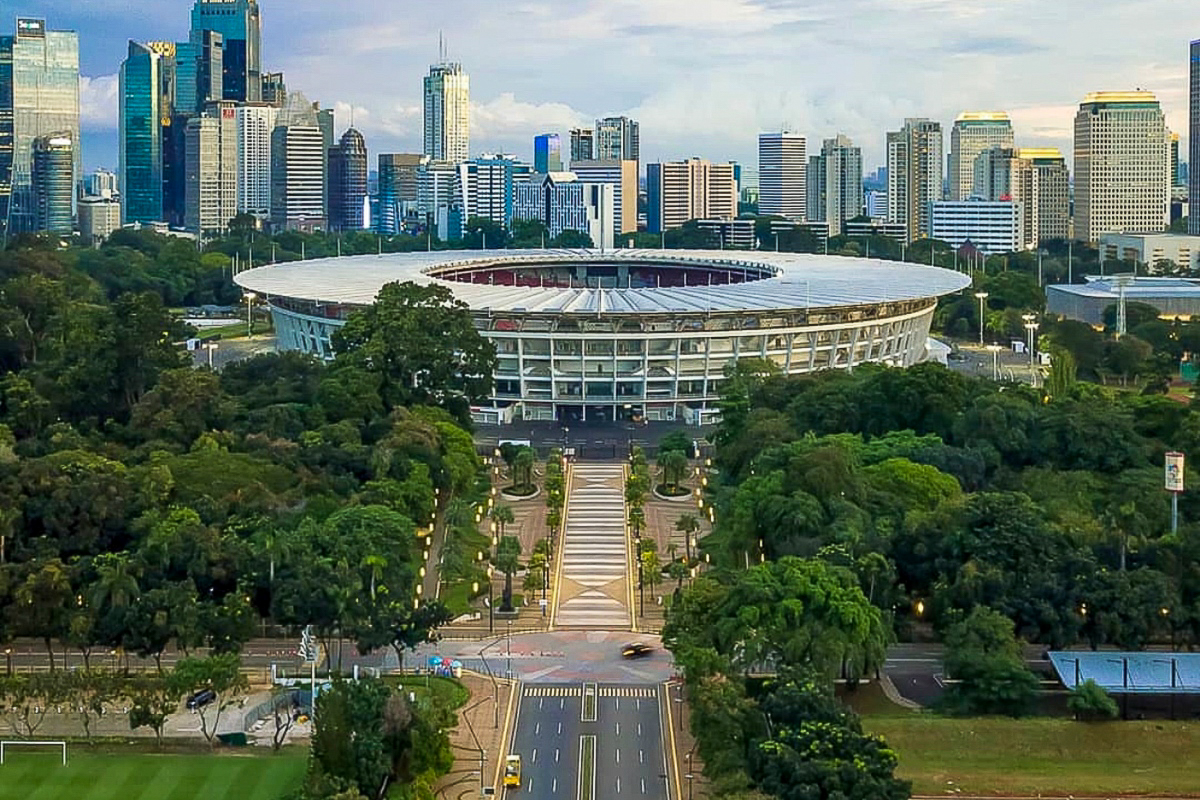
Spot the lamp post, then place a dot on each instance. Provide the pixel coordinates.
(249, 318)
(981, 296)
(8, 659)
(491, 601)
(1031, 326)
(1041, 253)
(995, 349)
(641, 594)
(508, 647)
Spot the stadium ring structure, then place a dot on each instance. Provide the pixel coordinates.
(630, 334)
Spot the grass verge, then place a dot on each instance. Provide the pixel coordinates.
(1028, 757)
(107, 774)
(587, 768)
(444, 692)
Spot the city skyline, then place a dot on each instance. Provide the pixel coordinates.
(691, 103)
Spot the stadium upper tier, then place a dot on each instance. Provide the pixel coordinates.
(614, 282)
(630, 333)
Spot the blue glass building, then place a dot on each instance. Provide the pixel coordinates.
(141, 137)
(240, 26)
(547, 153)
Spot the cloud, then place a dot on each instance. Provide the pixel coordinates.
(99, 102)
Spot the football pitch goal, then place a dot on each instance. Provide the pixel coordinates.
(5, 744)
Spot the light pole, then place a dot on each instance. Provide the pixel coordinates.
(981, 296)
(995, 351)
(508, 647)
(249, 319)
(1030, 326)
(641, 594)
(1041, 253)
(491, 602)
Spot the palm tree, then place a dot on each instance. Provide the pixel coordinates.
(377, 564)
(116, 584)
(687, 524)
(523, 469)
(674, 466)
(637, 519)
(508, 561)
(502, 515)
(277, 546)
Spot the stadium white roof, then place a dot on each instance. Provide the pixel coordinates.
(800, 281)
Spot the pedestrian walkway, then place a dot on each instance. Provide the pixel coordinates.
(594, 590)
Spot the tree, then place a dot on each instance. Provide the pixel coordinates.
(522, 470)
(688, 525)
(502, 516)
(572, 240)
(348, 745)
(91, 692)
(422, 344)
(674, 466)
(651, 569)
(1089, 702)
(153, 697)
(220, 673)
(42, 604)
(984, 657)
(25, 699)
(508, 561)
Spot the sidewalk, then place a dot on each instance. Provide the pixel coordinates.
(479, 740)
(685, 746)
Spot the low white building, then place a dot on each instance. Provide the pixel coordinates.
(991, 226)
(99, 217)
(1152, 249)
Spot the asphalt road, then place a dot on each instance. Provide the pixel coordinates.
(623, 740)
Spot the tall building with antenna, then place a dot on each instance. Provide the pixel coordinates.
(447, 110)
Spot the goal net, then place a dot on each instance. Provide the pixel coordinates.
(6, 745)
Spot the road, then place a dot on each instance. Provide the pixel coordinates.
(612, 741)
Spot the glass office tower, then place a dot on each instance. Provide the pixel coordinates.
(240, 26)
(53, 183)
(141, 138)
(39, 95)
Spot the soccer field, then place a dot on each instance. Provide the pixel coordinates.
(105, 775)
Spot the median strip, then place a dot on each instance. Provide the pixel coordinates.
(587, 767)
(588, 712)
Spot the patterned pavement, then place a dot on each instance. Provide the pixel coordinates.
(595, 558)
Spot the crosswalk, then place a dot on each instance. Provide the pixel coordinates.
(604, 691)
(594, 557)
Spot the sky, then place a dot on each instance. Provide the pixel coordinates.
(702, 77)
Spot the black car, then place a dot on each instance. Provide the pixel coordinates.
(636, 650)
(201, 699)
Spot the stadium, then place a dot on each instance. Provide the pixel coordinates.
(630, 334)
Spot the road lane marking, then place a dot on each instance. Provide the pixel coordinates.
(618, 702)
(618, 785)
(540, 703)
(533, 756)
(556, 755)
(537, 729)
(560, 729)
(531, 785)
(554, 787)
(618, 728)
(618, 754)
(643, 785)
(639, 729)
(641, 756)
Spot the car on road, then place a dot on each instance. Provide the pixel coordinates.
(512, 771)
(636, 650)
(201, 699)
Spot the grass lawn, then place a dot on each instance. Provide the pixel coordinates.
(445, 692)
(1047, 756)
(106, 774)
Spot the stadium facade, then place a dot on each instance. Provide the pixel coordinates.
(630, 334)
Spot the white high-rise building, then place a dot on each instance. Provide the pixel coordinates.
(254, 126)
(991, 226)
(617, 139)
(974, 132)
(447, 113)
(915, 168)
(1122, 165)
(835, 187)
(679, 191)
(485, 187)
(297, 168)
(782, 183)
(210, 183)
(1194, 141)
(624, 179)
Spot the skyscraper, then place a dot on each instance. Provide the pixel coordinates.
(685, 190)
(547, 153)
(240, 26)
(1194, 142)
(297, 168)
(1035, 180)
(274, 89)
(347, 182)
(53, 182)
(255, 124)
(582, 144)
(974, 132)
(782, 182)
(141, 140)
(915, 169)
(624, 179)
(1121, 165)
(447, 113)
(485, 187)
(397, 189)
(211, 168)
(837, 176)
(39, 96)
(617, 139)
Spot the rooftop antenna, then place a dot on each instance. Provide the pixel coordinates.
(441, 48)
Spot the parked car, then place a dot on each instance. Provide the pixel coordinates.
(201, 699)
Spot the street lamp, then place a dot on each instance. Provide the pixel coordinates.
(641, 594)
(491, 601)
(508, 646)
(8, 659)
(981, 296)
(249, 319)
(995, 349)
(210, 347)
